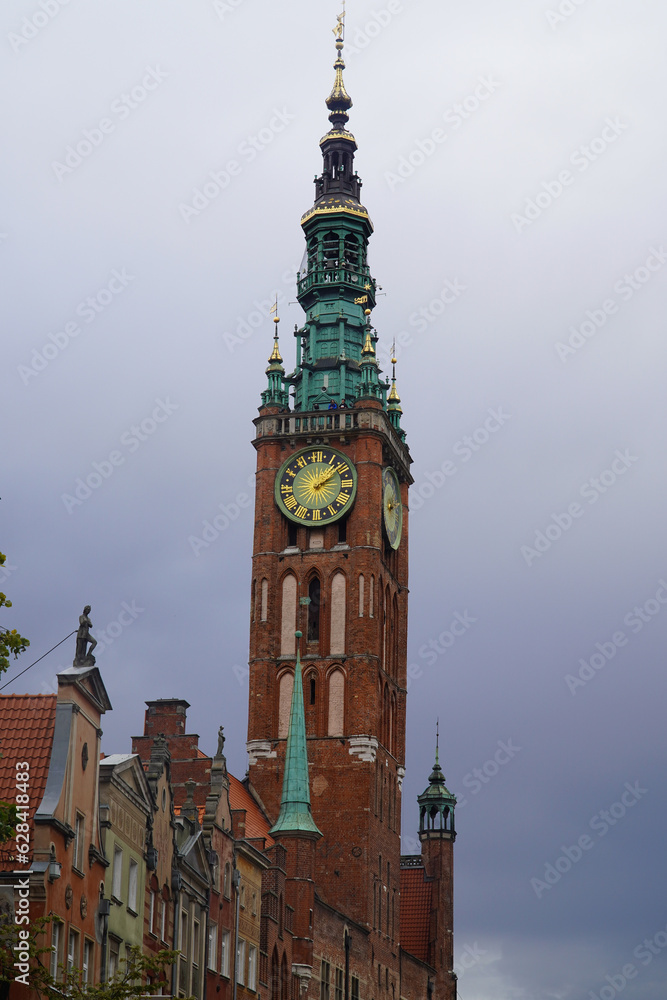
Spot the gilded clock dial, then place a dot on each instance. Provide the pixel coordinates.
(316, 486)
(392, 508)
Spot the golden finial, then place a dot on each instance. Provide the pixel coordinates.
(339, 101)
(275, 354)
(368, 350)
(393, 397)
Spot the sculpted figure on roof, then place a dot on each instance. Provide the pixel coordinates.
(84, 656)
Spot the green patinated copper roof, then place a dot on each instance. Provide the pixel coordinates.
(295, 815)
(437, 792)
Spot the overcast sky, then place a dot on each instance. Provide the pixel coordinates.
(513, 159)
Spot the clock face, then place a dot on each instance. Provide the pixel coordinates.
(392, 508)
(316, 485)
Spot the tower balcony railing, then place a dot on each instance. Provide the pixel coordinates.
(331, 274)
(320, 420)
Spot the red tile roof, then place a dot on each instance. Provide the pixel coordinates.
(415, 912)
(256, 824)
(27, 723)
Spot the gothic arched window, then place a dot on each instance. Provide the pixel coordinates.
(288, 620)
(336, 703)
(314, 610)
(337, 630)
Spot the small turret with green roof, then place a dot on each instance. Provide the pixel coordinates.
(436, 805)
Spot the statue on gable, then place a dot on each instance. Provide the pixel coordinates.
(84, 656)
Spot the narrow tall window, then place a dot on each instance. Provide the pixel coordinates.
(361, 595)
(56, 932)
(252, 967)
(287, 640)
(212, 946)
(117, 887)
(151, 912)
(314, 610)
(79, 841)
(240, 962)
(72, 950)
(286, 684)
(87, 964)
(325, 974)
(224, 954)
(132, 889)
(336, 703)
(265, 599)
(338, 615)
(371, 598)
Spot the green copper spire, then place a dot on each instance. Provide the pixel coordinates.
(334, 284)
(295, 815)
(276, 394)
(394, 405)
(436, 804)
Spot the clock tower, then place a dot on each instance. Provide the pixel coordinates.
(330, 560)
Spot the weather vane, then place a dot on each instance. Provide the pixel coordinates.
(339, 30)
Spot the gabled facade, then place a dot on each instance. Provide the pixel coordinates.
(160, 848)
(56, 740)
(125, 816)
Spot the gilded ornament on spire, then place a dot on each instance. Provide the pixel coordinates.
(339, 101)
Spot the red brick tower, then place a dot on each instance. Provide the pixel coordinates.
(437, 834)
(331, 558)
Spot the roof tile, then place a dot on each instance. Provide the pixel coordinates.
(27, 723)
(415, 912)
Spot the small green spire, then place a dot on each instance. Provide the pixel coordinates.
(370, 385)
(275, 394)
(295, 815)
